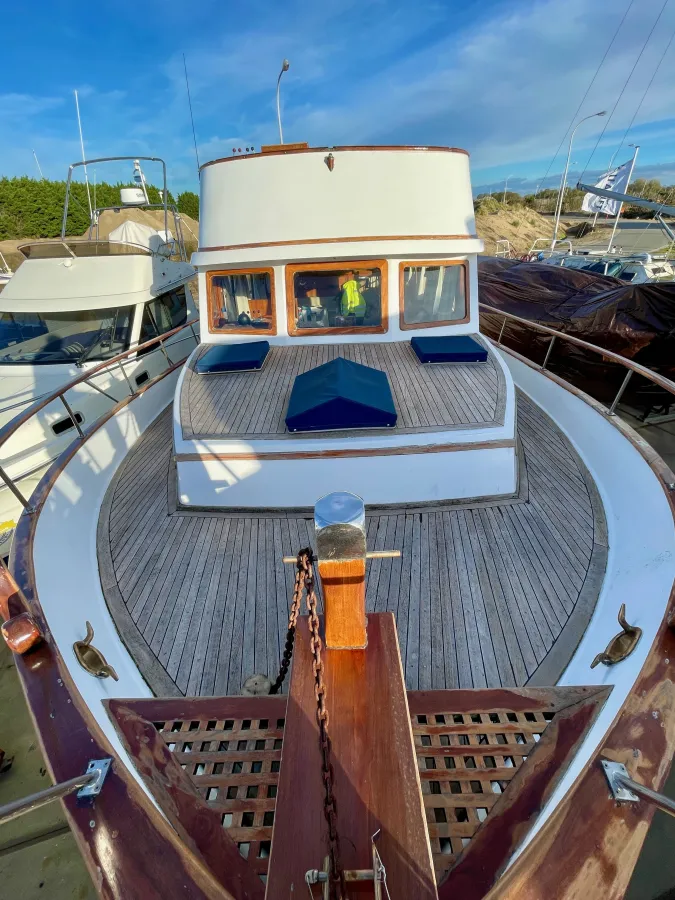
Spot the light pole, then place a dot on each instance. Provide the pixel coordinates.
(505, 186)
(284, 68)
(563, 182)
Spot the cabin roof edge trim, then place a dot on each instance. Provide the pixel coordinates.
(356, 148)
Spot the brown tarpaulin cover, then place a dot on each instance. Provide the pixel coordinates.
(637, 321)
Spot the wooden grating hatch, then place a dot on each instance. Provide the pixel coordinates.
(466, 761)
(234, 764)
(213, 765)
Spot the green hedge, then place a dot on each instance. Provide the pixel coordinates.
(34, 209)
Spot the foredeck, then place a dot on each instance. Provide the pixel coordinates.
(491, 594)
(428, 398)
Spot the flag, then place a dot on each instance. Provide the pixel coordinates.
(614, 180)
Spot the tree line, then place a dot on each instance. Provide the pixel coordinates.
(545, 201)
(32, 208)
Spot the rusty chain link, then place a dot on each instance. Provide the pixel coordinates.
(304, 580)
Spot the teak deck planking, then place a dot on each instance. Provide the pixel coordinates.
(489, 594)
(427, 398)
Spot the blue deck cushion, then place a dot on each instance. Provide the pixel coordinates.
(245, 357)
(340, 394)
(460, 348)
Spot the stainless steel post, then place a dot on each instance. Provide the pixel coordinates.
(14, 489)
(126, 378)
(548, 352)
(72, 415)
(619, 395)
(501, 332)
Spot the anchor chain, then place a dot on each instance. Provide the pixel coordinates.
(304, 581)
(304, 556)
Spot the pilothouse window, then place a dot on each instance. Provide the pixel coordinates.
(326, 296)
(433, 293)
(35, 338)
(241, 300)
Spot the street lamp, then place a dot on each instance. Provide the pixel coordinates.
(505, 186)
(284, 68)
(563, 182)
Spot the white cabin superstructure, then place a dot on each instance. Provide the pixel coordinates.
(73, 303)
(402, 219)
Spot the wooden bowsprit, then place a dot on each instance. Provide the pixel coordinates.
(375, 779)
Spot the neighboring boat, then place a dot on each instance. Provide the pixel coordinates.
(73, 303)
(478, 526)
(5, 271)
(636, 268)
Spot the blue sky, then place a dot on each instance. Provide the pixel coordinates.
(499, 79)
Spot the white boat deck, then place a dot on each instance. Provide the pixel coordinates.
(496, 593)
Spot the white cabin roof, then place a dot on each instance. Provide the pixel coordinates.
(93, 282)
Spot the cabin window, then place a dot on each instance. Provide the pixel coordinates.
(163, 314)
(241, 300)
(433, 293)
(45, 337)
(339, 298)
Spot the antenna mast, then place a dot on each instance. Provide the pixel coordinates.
(86, 178)
(38, 164)
(194, 136)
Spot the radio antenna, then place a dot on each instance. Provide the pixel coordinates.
(194, 136)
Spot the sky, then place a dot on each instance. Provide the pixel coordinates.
(500, 79)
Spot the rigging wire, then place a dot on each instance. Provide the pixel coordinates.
(591, 83)
(625, 84)
(651, 81)
(194, 136)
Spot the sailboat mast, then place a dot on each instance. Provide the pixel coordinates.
(618, 212)
(86, 178)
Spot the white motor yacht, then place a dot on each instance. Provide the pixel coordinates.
(354, 601)
(73, 303)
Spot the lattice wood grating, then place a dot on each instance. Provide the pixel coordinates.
(234, 764)
(466, 762)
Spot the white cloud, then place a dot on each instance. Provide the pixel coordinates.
(500, 80)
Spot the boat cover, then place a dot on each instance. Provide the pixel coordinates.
(340, 394)
(637, 321)
(458, 348)
(140, 234)
(244, 357)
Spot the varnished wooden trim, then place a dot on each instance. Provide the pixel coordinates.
(348, 454)
(416, 263)
(339, 266)
(364, 239)
(237, 329)
(289, 149)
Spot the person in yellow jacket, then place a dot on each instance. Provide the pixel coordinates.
(352, 302)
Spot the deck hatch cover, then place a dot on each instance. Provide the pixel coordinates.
(460, 348)
(341, 394)
(247, 356)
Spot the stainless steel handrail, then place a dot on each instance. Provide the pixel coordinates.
(652, 376)
(11, 427)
